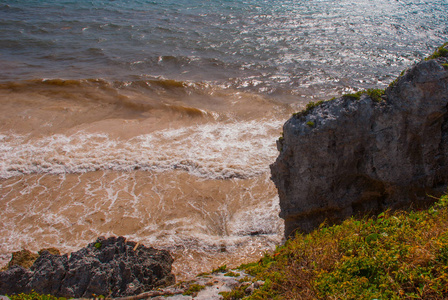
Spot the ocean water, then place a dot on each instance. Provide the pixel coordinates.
(157, 120)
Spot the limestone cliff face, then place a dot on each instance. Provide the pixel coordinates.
(351, 156)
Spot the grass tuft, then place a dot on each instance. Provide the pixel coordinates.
(33, 296)
(309, 107)
(193, 289)
(442, 51)
(221, 269)
(237, 293)
(374, 94)
(232, 274)
(310, 123)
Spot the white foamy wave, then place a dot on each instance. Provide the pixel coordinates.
(205, 223)
(215, 151)
(262, 219)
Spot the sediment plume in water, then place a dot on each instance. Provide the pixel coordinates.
(81, 159)
(157, 120)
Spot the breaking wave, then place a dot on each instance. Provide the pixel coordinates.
(215, 151)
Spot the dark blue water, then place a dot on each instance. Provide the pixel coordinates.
(275, 47)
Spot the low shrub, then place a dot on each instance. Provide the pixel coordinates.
(396, 255)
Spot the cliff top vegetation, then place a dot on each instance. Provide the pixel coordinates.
(395, 255)
(442, 51)
(375, 94)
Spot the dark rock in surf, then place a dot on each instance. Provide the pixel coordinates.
(350, 156)
(110, 267)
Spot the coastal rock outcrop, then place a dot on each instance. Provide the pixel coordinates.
(363, 154)
(109, 267)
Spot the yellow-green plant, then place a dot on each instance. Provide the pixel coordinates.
(220, 269)
(442, 51)
(34, 296)
(396, 255)
(193, 289)
(374, 94)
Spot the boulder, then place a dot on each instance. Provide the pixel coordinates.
(24, 258)
(109, 267)
(363, 154)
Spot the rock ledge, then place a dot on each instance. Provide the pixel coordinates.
(111, 267)
(347, 157)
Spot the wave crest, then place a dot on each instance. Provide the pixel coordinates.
(217, 151)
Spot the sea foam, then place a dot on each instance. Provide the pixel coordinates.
(216, 151)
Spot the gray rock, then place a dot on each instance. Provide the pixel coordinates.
(249, 290)
(348, 156)
(109, 267)
(14, 280)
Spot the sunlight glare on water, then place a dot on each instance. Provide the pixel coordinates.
(157, 119)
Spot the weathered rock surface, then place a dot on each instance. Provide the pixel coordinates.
(110, 267)
(351, 156)
(203, 287)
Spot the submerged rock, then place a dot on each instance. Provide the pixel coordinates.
(110, 267)
(349, 156)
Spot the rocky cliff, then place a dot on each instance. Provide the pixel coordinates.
(109, 267)
(362, 153)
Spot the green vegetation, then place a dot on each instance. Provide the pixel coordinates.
(245, 279)
(235, 294)
(310, 123)
(396, 255)
(312, 105)
(220, 269)
(98, 245)
(193, 289)
(34, 296)
(232, 274)
(355, 96)
(442, 51)
(392, 84)
(374, 94)
(396, 79)
(309, 107)
(280, 140)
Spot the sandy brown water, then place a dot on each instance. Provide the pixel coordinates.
(172, 146)
(178, 167)
(206, 223)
